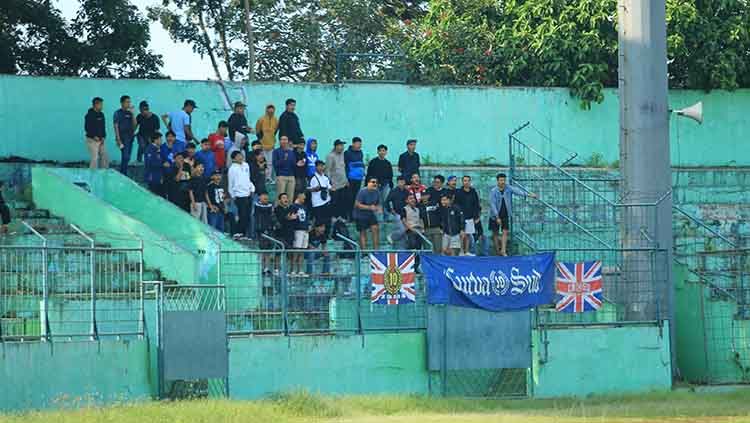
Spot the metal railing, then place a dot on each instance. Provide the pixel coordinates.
(276, 290)
(69, 291)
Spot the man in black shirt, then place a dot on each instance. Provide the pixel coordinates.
(300, 168)
(381, 169)
(467, 199)
(394, 204)
(284, 231)
(289, 123)
(95, 135)
(147, 124)
(432, 220)
(238, 123)
(452, 225)
(408, 161)
(198, 186)
(177, 179)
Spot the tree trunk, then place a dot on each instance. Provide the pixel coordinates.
(225, 50)
(207, 43)
(250, 44)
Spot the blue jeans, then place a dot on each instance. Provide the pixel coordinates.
(251, 229)
(216, 220)
(126, 151)
(481, 246)
(383, 191)
(312, 257)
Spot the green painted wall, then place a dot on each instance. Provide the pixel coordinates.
(601, 360)
(109, 224)
(393, 363)
(445, 119)
(69, 374)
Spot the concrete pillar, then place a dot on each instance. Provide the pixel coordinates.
(644, 153)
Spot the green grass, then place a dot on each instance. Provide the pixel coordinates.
(304, 407)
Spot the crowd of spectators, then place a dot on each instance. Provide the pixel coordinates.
(224, 179)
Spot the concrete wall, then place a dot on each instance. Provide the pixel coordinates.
(393, 363)
(601, 360)
(42, 118)
(69, 374)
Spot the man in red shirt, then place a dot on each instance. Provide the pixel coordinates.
(417, 189)
(217, 145)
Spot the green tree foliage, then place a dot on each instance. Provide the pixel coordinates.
(573, 43)
(107, 39)
(295, 40)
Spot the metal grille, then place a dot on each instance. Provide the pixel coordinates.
(67, 292)
(174, 298)
(266, 293)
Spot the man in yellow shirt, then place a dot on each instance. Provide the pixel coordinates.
(266, 128)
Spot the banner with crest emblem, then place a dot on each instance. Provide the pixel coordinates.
(393, 277)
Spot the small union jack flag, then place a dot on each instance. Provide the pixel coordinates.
(579, 286)
(393, 278)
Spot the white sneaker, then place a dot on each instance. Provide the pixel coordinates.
(303, 275)
(293, 274)
(390, 239)
(470, 254)
(236, 236)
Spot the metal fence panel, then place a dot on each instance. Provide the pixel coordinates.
(195, 345)
(460, 338)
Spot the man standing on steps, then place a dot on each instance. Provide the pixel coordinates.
(355, 172)
(125, 122)
(284, 165)
(148, 124)
(96, 132)
(467, 199)
(408, 161)
(501, 206)
(336, 166)
(238, 124)
(381, 169)
(241, 189)
(180, 122)
(289, 123)
(266, 128)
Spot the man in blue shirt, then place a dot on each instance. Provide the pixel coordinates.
(284, 164)
(125, 123)
(501, 206)
(180, 122)
(206, 157)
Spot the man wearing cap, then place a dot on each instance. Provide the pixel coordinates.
(408, 161)
(147, 124)
(336, 166)
(180, 122)
(124, 122)
(238, 124)
(266, 128)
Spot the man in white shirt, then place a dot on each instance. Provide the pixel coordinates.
(320, 187)
(240, 190)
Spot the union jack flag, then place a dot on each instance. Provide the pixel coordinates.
(393, 278)
(579, 286)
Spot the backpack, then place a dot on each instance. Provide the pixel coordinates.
(356, 171)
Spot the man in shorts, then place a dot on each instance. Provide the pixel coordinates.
(300, 219)
(366, 207)
(452, 224)
(501, 205)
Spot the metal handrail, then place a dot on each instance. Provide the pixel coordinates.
(274, 241)
(34, 231)
(585, 185)
(567, 218)
(45, 281)
(358, 272)
(700, 223)
(425, 239)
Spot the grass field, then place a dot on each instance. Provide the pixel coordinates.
(303, 407)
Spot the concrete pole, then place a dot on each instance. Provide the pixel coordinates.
(644, 155)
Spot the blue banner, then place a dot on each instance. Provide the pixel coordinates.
(490, 283)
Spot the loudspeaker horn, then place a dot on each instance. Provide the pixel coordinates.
(694, 112)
